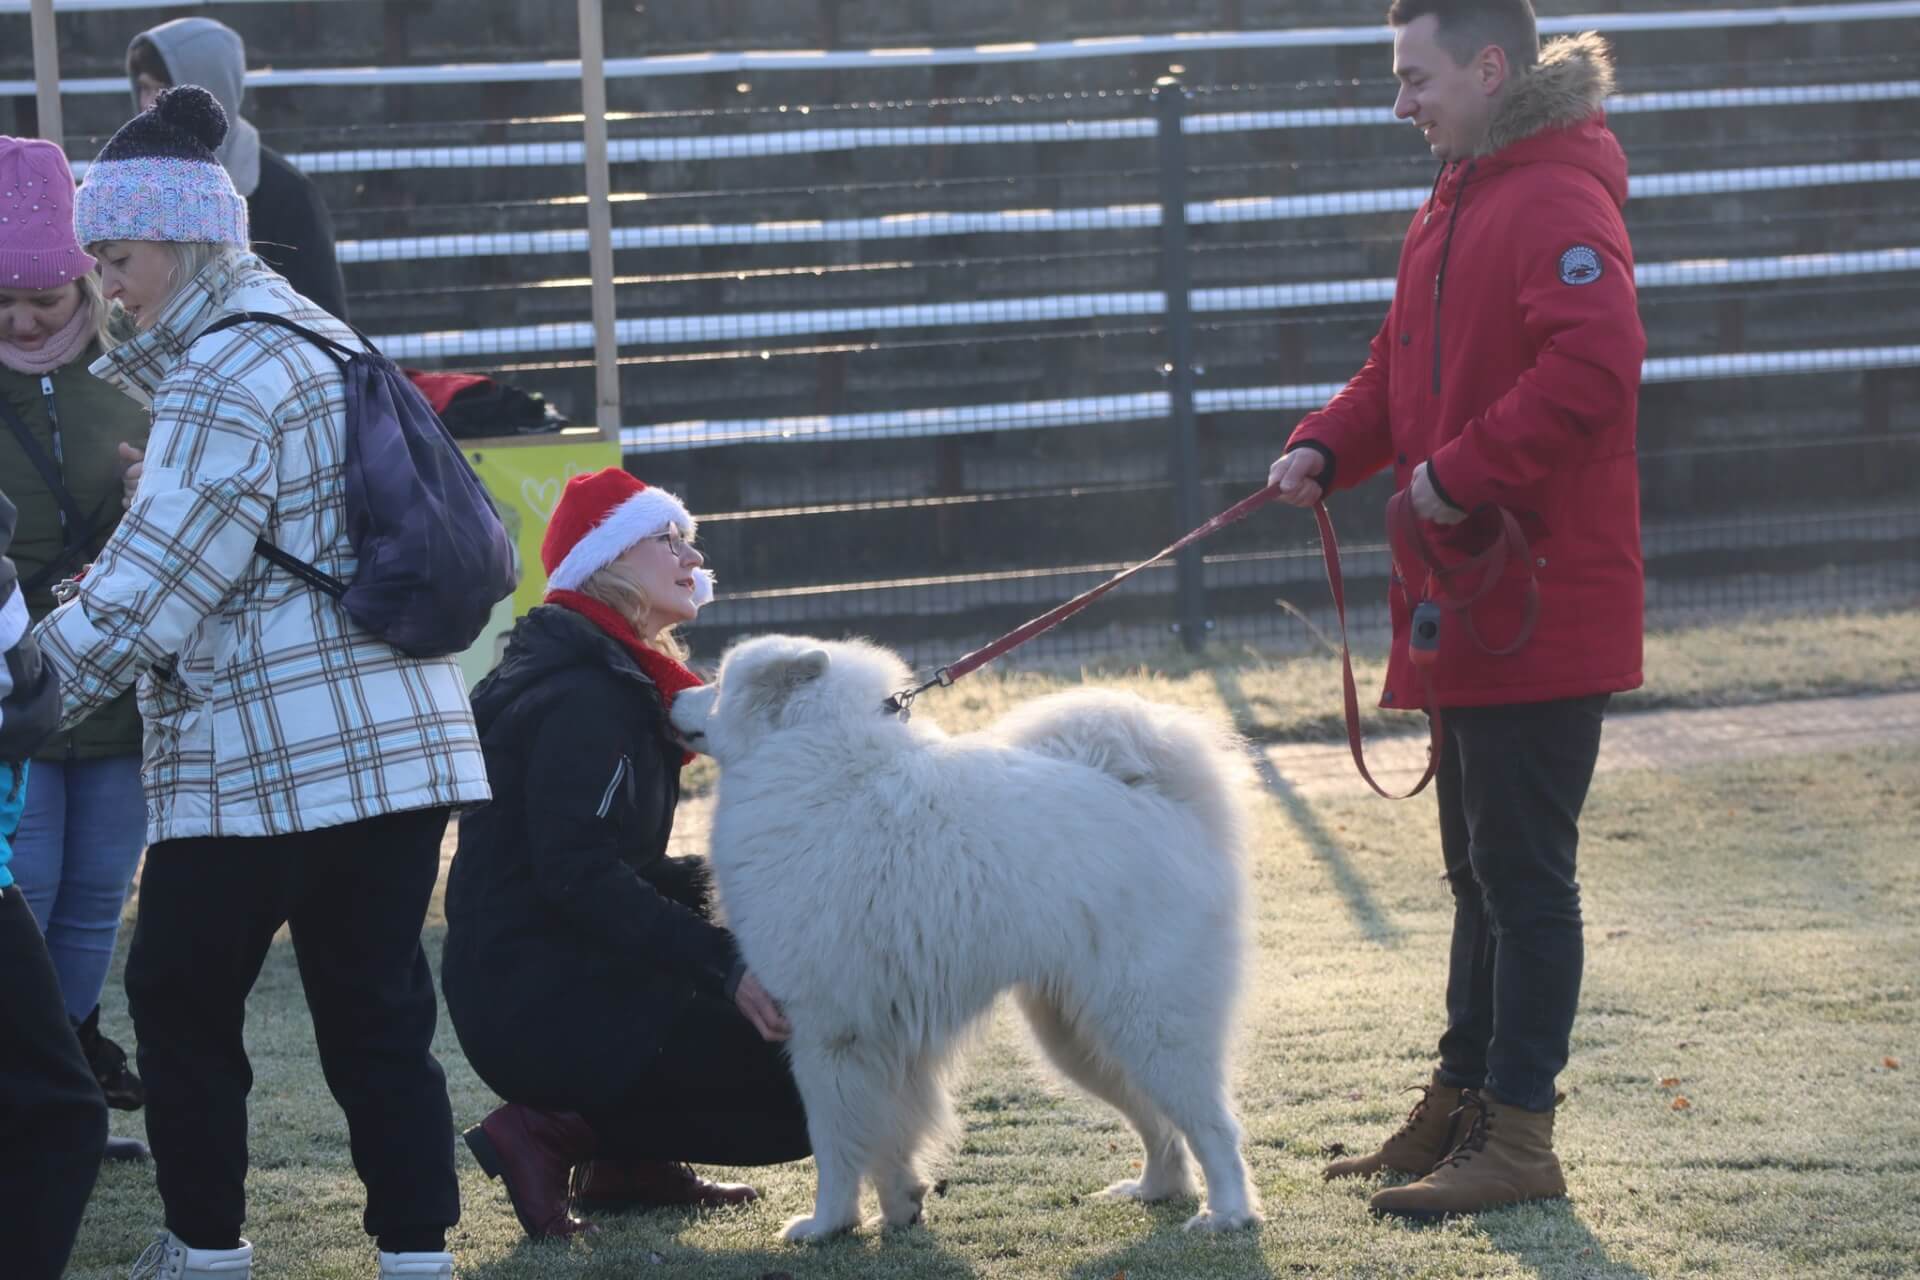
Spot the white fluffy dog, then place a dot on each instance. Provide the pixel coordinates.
(886, 882)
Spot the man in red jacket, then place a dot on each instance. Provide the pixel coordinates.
(1503, 384)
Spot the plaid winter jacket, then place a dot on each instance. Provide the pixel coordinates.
(266, 711)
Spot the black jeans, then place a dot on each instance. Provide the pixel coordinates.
(716, 1094)
(355, 897)
(53, 1118)
(1511, 785)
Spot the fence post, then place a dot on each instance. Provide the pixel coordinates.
(1170, 103)
(46, 73)
(593, 103)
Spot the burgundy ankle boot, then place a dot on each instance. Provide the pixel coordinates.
(645, 1184)
(532, 1152)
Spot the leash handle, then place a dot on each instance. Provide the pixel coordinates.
(1330, 553)
(1411, 548)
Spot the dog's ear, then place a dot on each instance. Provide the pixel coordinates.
(810, 665)
(775, 683)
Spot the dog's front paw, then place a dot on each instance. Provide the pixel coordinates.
(1147, 1191)
(1208, 1220)
(903, 1208)
(807, 1229)
(1131, 1189)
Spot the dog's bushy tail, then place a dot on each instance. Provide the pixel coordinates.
(1175, 752)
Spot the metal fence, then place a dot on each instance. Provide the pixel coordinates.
(928, 362)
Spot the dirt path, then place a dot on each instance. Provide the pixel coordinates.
(1640, 740)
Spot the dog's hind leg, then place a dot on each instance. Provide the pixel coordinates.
(919, 1112)
(1167, 1174)
(1187, 1080)
(838, 1096)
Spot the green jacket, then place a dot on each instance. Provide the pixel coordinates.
(94, 417)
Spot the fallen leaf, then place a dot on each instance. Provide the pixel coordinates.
(1121, 1274)
(1680, 1103)
(1113, 1146)
(1670, 1082)
(1136, 1164)
(1890, 1063)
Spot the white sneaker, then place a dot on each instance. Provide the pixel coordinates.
(416, 1266)
(169, 1258)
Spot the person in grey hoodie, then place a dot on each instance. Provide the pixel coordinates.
(292, 229)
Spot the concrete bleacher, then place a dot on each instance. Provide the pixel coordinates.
(810, 331)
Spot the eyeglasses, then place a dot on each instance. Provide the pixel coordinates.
(676, 545)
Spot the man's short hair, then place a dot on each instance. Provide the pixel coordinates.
(1468, 26)
(143, 59)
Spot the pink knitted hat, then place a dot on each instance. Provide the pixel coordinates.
(37, 245)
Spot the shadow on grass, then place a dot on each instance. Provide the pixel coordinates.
(651, 1243)
(1367, 914)
(1549, 1239)
(1546, 1237)
(1167, 1250)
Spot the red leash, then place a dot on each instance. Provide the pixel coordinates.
(1408, 546)
(1423, 643)
(900, 702)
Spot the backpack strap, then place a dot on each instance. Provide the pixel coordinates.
(317, 578)
(339, 351)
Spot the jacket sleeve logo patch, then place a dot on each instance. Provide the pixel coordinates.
(1580, 265)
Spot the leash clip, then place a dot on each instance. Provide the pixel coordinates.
(901, 703)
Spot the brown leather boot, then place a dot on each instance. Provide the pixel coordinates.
(532, 1152)
(1506, 1157)
(604, 1185)
(1420, 1143)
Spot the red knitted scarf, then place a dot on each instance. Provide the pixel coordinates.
(668, 675)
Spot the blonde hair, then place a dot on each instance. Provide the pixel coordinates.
(191, 257)
(99, 312)
(616, 587)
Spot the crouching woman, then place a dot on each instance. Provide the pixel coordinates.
(585, 981)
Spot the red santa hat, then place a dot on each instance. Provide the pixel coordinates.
(599, 517)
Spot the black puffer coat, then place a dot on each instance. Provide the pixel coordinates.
(573, 940)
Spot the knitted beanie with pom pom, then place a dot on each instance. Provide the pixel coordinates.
(158, 178)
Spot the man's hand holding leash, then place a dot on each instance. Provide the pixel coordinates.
(1294, 474)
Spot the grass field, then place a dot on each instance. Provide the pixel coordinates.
(1742, 1100)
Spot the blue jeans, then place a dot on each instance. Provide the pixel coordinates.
(78, 845)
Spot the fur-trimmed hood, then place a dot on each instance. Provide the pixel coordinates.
(1570, 82)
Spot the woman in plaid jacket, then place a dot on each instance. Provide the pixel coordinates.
(297, 770)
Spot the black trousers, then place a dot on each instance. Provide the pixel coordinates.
(1511, 784)
(715, 1094)
(53, 1118)
(355, 897)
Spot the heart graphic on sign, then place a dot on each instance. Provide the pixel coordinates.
(541, 495)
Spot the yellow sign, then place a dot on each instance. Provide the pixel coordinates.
(526, 481)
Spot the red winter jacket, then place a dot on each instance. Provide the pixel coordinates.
(1516, 374)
